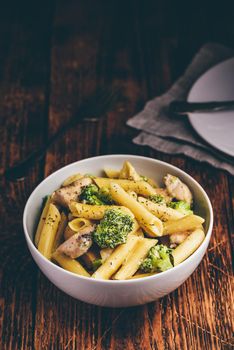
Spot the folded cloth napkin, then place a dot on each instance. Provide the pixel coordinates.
(174, 135)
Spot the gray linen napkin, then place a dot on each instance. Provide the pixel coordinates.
(175, 135)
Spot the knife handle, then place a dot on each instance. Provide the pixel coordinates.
(184, 107)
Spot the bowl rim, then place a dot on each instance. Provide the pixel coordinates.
(129, 281)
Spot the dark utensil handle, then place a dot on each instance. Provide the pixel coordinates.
(184, 107)
(19, 170)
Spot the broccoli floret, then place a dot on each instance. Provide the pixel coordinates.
(104, 196)
(96, 264)
(89, 195)
(113, 229)
(157, 198)
(158, 259)
(181, 206)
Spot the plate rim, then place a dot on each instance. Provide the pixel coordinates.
(229, 153)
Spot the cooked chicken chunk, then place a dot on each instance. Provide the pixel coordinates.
(78, 244)
(82, 231)
(66, 194)
(177, 188)
(178, 238)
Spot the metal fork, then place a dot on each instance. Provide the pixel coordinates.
(91, 109)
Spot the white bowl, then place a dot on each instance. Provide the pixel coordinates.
(116, 293)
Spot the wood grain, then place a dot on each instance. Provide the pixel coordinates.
(56, 54)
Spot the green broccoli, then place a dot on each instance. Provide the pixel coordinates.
(159, 259)
(113, 229)
(104, 196)
(181, 206)
(96, 264)
(157, 198)
(89, 195)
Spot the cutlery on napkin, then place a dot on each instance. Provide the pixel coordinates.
(173, 134)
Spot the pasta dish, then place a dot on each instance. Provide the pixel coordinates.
(120, 226)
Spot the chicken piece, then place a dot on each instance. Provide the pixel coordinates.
(82, 231)
(77, 245)
(66, 194)
(177, 189)
(177, 238)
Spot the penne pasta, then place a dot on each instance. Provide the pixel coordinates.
(71, 179)
(134, 260)
(77, 224)
(140, 187)
(42, 221)
(61, 228)
(161, 210)
(93, 212)
(114, 261)
(70, 264)
(111, 173)
(135, 227)
(49, 231)
(141, 275)
(139, 233)
(188, 246)
(150, 223)
(187, 223)
(129, 172)
(132, 194)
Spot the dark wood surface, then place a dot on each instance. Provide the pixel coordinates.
(52, 55)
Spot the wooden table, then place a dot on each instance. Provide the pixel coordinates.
(52, 55)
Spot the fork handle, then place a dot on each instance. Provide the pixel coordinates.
(19, 170)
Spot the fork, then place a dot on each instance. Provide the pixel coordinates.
(91, 109)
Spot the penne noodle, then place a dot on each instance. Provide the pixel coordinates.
(187, 223)
(132, 194)
(111, 173)
(71, 179)
(135, 227)
(70, 264)
(41, 221)
(134, 260)
(150, 223)
(140, 187)
(76, 224)
(141, 275)
(115, 260)
(129, 172)
(188, 246)
(161, 210)
(139, 233)
(93, 212)
(49, 231)
(61, 228)
(152, 182)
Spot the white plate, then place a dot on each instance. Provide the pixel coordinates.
(217, 84)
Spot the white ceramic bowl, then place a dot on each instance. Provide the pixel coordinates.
(116, 293)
